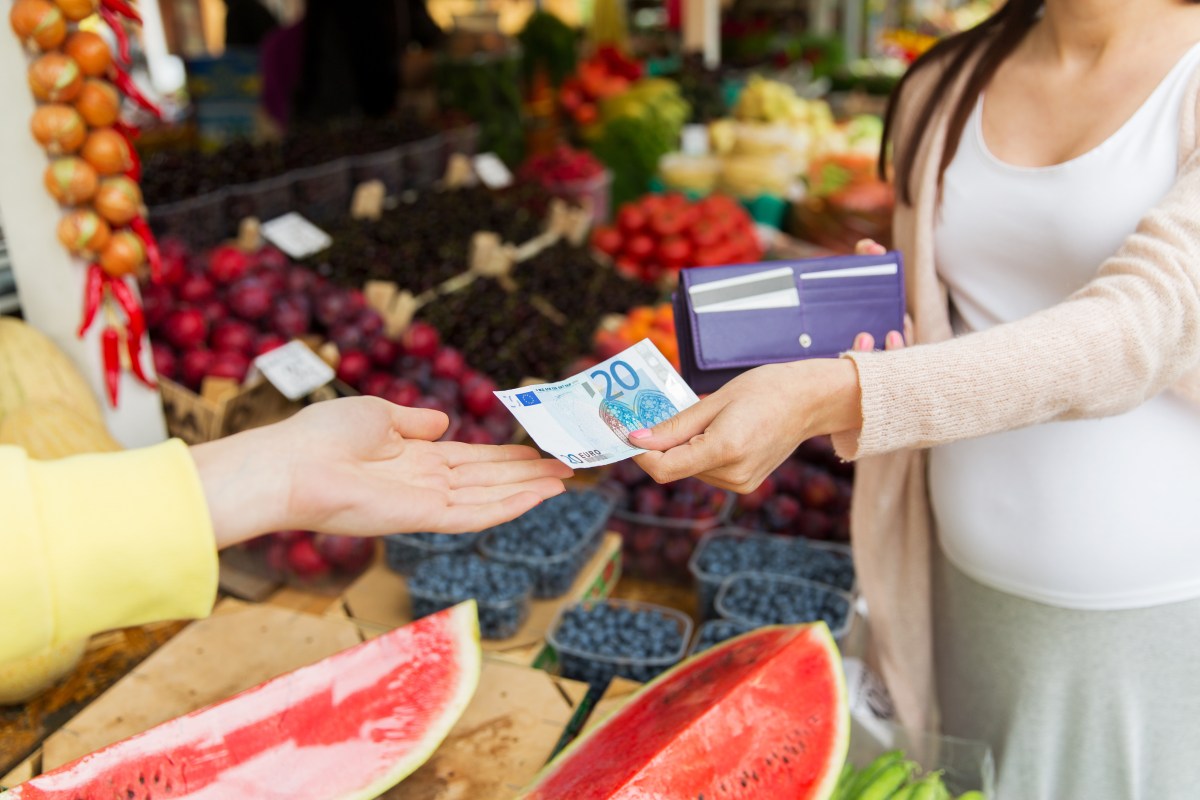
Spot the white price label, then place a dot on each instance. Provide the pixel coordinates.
(295, 235)
(494, 173)
(294, 370)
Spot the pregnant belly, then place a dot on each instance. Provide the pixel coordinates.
(1087, 514)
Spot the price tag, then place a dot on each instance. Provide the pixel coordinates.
(492, 171)
(296, 236)
(294, 370)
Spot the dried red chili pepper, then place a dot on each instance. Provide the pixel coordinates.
(93, 292)
(122, 8)
(129, 304)
(130, 132)
(118, 29)
(133, 345)
(110, 344)
(125, 83)
(134, 173)
(138, 225)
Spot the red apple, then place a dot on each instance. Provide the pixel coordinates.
(383, 352)
(305, 561)
(289, 319)
(478, 397)
(347, 553)
(230, 365)
(194, 366)
(250, 299)
(376, 384)
(196, 288)
(232, 335)
(164, 360)
(449, 363)
(421, 340)
(268, 342)
(186, 328)
(402, 393)
(353, 367)
(227, 263)
(156, 304)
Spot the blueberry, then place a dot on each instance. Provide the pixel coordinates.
(405, 550)
(599, 640)
(554, 541)
(502, 591)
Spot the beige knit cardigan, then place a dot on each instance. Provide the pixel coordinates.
(1130, 333)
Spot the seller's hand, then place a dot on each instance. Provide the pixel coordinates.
(740, 434)
(364, 466)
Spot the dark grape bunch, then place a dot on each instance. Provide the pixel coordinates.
(758, 599)
(502, 591)
(405, 550)
(597, 641)
(716, 631)
(553, 541)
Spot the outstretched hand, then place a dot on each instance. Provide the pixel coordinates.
(364, 466)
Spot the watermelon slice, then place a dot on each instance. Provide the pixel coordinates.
(351, 726)
(760, 716)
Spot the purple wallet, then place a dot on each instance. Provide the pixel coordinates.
(731, 319)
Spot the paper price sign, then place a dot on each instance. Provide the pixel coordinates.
(492, 171)
(294, 370)
(296, 236)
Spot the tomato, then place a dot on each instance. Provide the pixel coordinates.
(653, 204)
(607, 240)
(706, 233)
(639, 248)
(668, 222)
(629, 269)
(717, 256)
(631, 219)
(674, 200)
(586, 114)
(675, 252)
(741, 243)
(720, 205)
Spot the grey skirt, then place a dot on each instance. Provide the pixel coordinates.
(1077, 705)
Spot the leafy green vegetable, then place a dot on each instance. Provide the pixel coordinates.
(550, 43)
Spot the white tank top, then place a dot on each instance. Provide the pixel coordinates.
(1092, 514)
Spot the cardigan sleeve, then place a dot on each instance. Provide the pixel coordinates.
(1132, 331)
(95, 542)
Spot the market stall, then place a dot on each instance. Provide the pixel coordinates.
(522, 215)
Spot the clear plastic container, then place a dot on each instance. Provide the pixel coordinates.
(597, 190)
(657, 548)
(463, 140)
(424, 162)
(714, 631)
(322, 193)
(835, 607)
(266, 199)
(598, 669)
(553, 575)
(403, 551)
(708, 583)
(386, 166)
(199, 221)
(499, 618)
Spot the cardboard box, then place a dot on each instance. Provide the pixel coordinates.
(378, 602)
(223, 410)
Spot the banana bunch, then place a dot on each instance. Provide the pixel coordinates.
(765, 100)
(892, 777)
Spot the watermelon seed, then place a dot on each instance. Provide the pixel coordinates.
(129, 794)
(786, 760)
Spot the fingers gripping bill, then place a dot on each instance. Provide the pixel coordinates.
(585, 421)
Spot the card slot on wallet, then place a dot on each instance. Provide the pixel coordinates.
(730, 319)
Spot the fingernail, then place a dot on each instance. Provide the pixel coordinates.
(860, 342)
(894, 340)
(644, 433)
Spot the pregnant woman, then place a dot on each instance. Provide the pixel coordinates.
(1026, 518)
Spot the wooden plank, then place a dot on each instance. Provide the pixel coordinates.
(239, 647)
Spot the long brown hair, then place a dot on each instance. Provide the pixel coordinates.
(998, 36)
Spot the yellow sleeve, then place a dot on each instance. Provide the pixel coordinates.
(95, 542)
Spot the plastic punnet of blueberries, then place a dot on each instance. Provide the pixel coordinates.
(716, 631)
(501, 590)
(728, 552)
(757, 599)
(553, 541)
(404, 551)
(596, 641)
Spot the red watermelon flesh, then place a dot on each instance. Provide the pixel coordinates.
(350, 726)
(760, 716)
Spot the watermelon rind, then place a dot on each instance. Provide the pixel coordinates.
(821, 635)
(466, 626)
(84, 778)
